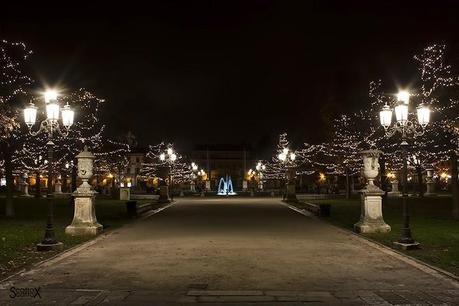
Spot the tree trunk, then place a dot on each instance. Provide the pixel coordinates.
(9, 208)
(348, 187)
(455, 185)
(420, 185)
(37, 184)
(74, 178)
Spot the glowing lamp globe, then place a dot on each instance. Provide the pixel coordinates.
(292, 156)
(162, 156)
(385, 116)
(285, 151)
(52, 111)
(173, 157)
(30, 115)
(282, 156)
(170, 151)
(423, 113)
(401, 113)
(50, 95)
(403, 96)
(67, 116)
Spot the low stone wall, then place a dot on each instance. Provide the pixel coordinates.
(144, 196)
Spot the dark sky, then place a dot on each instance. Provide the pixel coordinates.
(228, 71)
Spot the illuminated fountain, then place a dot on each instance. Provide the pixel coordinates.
(225, 187)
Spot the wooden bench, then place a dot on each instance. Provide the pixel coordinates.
(134, 209)
(321, 210)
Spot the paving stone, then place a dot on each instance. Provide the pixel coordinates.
(225, 292)
(393, 298)
(235, 298)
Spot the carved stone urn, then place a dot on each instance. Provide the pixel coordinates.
(371, 168)
(84, 219)
(85, 165)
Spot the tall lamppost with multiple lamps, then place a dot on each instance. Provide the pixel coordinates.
(260, 167)
(194, 177)
(169, 157)
(202, 174)
(50, 126)
(287, 158)
(408, 130)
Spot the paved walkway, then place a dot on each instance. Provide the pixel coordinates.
(231, 252)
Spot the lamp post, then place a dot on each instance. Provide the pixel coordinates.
(169, 157)
(287, 158)
(50, 126)
(202, 174)
(194, 177)
(408, 130)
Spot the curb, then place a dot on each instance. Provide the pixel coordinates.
(414, 262)
(77, 248)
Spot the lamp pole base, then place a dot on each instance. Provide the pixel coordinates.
(50, 246)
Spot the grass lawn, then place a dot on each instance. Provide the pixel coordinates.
(19, 235)
(431, 225)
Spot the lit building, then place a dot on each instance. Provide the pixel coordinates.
(221, 160)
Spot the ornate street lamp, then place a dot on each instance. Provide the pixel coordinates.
(50, 126)
(287, 158)
(258, 172)
(202, 174)
(168, 157)
(408, 130)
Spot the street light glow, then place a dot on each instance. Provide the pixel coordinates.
(403, 96)
(50, 95)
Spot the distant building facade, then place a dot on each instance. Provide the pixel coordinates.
(221, 160)
(131, 174)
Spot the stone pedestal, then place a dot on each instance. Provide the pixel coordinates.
(394, 192)
(208, 186)
(181, 193)
(371, 217)
(430, 183)
(192, 187)
(25, 190)
(125, 194)
(84, 220)
(244, 185)
(164, 194)
(58, 187)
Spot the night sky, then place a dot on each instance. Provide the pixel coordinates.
(227, 71)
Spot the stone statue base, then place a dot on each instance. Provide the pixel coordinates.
(164, 194)
(125, 194)
(58, 188)
(371, 218)
(430, 190)
(84, 220)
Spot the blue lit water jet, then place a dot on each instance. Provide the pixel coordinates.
(225, 187)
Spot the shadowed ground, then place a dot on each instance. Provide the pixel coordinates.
(234, 250)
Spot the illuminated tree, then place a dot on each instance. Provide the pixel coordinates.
(14, 84)
(154, 163)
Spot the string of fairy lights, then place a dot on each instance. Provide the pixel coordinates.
(436, 86)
